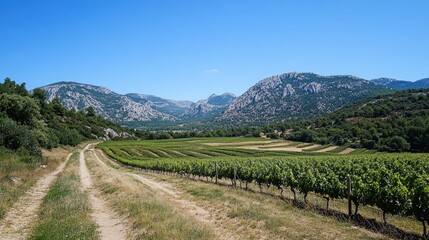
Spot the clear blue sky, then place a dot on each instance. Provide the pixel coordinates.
(190, 49)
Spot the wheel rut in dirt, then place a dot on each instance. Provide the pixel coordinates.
(20, 218)
(110, 225)
(186, 207)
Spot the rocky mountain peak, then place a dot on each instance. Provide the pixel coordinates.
(209, 106)
(296, 95)
(105, 102)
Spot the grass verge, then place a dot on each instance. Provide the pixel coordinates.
(65, 209)
(149, 213)
(19, 171)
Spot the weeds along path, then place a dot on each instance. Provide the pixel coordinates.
(181, 204)
(110, 225)
(18, 221)
(191, 208)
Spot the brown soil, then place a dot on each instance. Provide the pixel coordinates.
(327, 149)
(289, 149)
(347, 151)
(236, 143)
(311, 146)
(185, 207)
(110, 225)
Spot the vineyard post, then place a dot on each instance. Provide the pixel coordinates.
(216, 172)
(235, 177)
(349, 195)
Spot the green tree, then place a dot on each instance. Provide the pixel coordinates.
(23, 110)
(11, 87)
(90, 112)
(398, 144)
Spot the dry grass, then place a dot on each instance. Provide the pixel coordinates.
(65, 210)
(148, 212)
(257, 216)
(19, 173)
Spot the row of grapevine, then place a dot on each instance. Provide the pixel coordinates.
(395, 183)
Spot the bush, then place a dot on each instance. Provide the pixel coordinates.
(398, 144)
(305, 135)
(15, 136)
(21, 109)
(69, 137)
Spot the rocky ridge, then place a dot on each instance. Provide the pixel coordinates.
(211, 105)
(292, 96)
(105, 102)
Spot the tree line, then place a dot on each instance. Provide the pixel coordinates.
(29, 122)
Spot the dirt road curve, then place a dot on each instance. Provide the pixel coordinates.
(184, 206)
(110, 225)
(18, 221)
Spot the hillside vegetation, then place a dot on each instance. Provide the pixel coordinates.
(28, 122)
(394, 122)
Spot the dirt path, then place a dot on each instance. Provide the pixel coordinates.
(186, 207)
(18, 221)
(110, 225)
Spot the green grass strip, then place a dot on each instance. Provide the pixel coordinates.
(65, 211)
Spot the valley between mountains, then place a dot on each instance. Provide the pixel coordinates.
(285, 97)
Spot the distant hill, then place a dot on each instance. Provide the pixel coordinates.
(105, 102)
(134, 109)
(210, 107)
(393, 122)
(172, 107)
(294, 96)
(401, 84)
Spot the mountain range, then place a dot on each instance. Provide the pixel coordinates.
(133, 107)
(289, 96)
(401, 84)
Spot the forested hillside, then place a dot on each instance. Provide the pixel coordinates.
(28, 122)
(394, 122)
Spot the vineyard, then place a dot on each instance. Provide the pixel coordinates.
(396, 184)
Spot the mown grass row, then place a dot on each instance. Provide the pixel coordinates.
(65, 210)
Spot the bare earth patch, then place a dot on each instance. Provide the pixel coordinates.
(110, 225)
(311, 146)
(347, 151)
(289, 149)
(327, 149)
(19, 219)
(236, 143)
